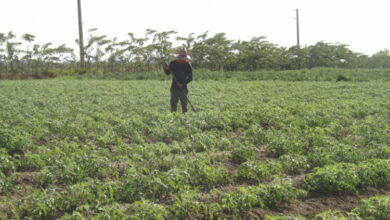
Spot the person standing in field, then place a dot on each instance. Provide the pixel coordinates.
(181, 70)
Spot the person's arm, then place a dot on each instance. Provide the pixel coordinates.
(167, 68)
(189, 76)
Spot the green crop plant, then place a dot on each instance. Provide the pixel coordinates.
(242, 154)
(334, 214)
(92, 148)
(5, 184)
(283, 144)
(260, 171)
(37, 205)
(186, 204)
(284, 217)
(205, 175)
(294, 163)
(374, 172)
(377, 207)
(145, 209)
(7, 165)
(349, 178)
(261, 196)
(339, 178)
(31, 162)
(255, 134)
(12, 141)
(113, 211)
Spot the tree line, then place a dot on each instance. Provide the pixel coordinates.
(23, 56)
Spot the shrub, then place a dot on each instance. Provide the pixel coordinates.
(284, 145)
(374, 172)
(255, 170)
(186, 204)
(205, 175)
(145, 209)
(284, 217)
(338, 178)
(331, 214)
(348, 178)
(375, 208)
(294, 163)
(114, 211)
(5, 184)
(31, 162)
(7, 165)
(12, 141)
(242, 154)
(38, 205)
(261, 196)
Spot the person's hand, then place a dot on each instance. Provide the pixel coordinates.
(180, 85)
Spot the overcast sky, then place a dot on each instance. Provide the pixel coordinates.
(362, 24)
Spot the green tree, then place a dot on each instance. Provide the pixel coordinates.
(299, 57)
(187, 41)
(2, 55)
(136, 50)
(212, 52)
(331, 55)
(12, 51)
(161, 47)
(380, 59)
(28, 53)
(257, 53)
(94, 51)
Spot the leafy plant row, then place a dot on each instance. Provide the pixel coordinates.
(373, 208)
(349, 178)
(91, 198)
(315, 74)
(117, 144)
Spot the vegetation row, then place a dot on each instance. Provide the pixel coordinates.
(103, 149)
(21, 57)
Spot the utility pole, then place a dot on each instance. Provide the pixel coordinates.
(298, 43)
(81, 40)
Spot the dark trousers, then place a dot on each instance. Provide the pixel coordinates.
(176, 95)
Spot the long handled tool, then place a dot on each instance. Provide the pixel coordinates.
(188, 100)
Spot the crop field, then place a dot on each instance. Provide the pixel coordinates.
(111, 149)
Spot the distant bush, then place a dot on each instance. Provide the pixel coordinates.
(315, 74)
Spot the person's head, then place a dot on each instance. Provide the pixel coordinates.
(182, 54)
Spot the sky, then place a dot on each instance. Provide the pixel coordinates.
(361, 24)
